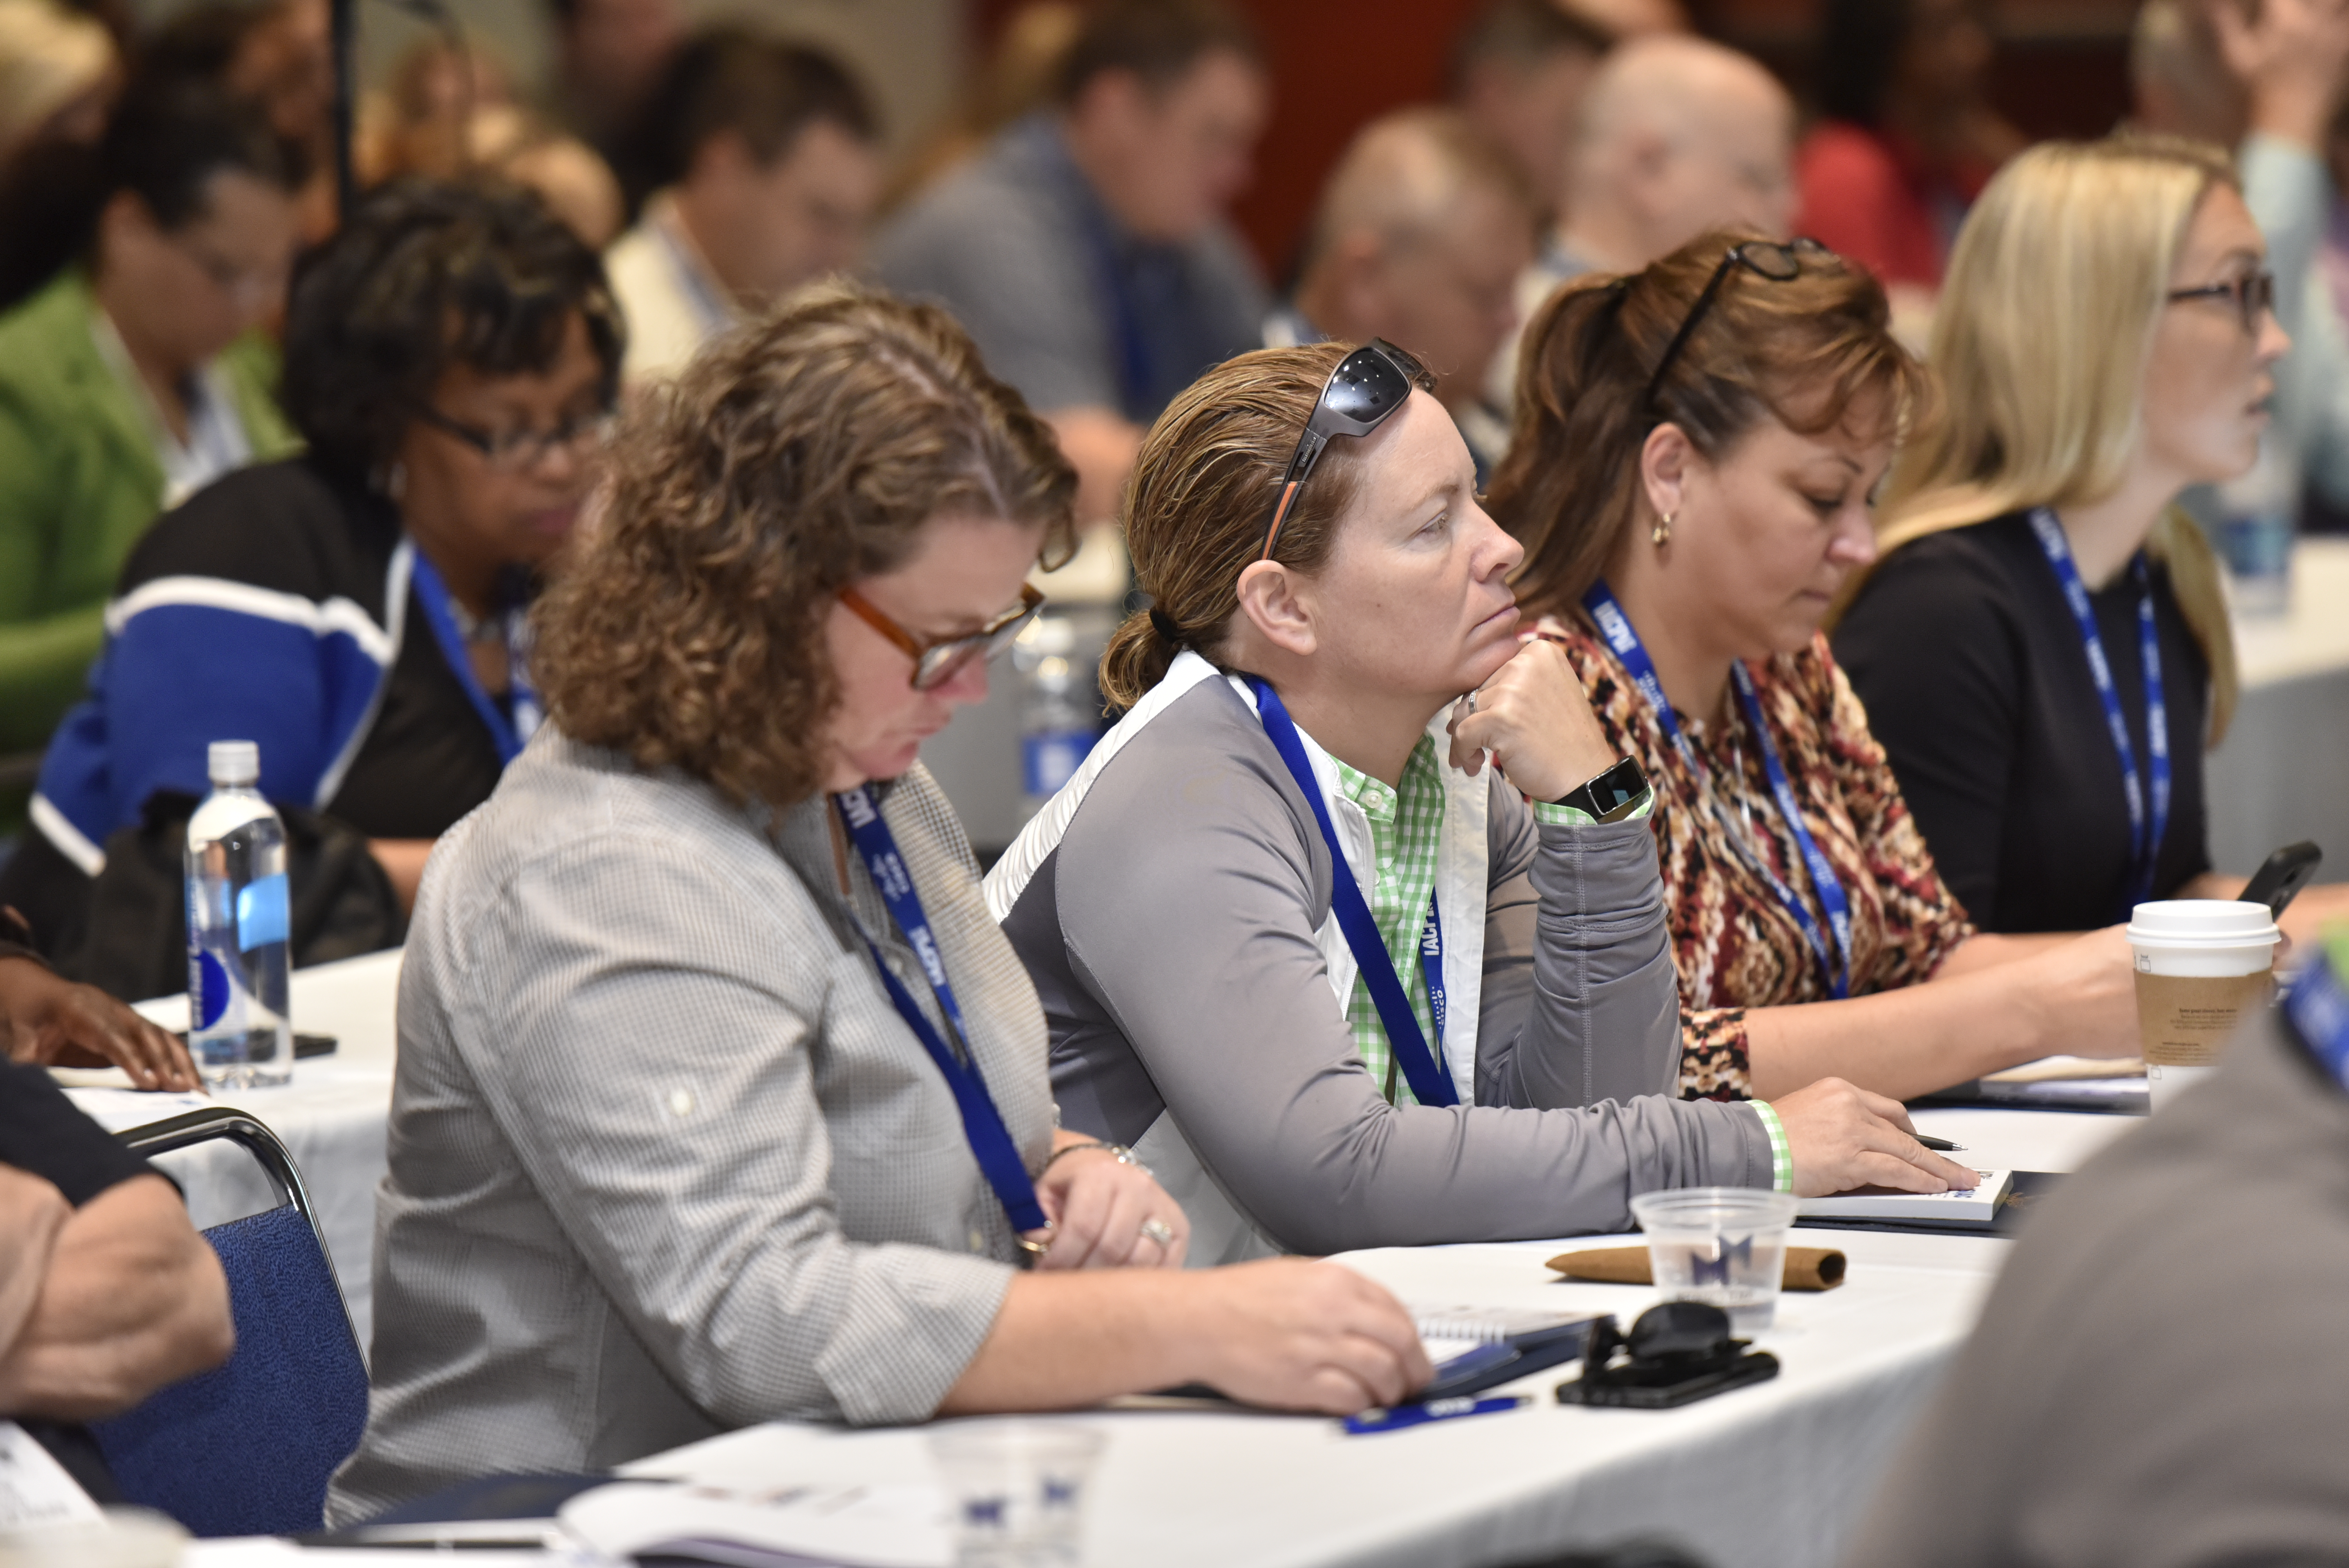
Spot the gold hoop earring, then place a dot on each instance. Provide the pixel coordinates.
(1662, 534)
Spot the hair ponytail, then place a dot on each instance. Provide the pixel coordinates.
(1138, 658)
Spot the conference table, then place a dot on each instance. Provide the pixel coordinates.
(1773, 1474)
(331, 1116)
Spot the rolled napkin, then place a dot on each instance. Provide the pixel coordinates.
(1808, 1268)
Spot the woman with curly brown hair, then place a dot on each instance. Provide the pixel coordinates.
(1696, 449)
(1343, 983)
(720, 1096)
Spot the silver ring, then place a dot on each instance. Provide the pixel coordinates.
(1472, 702)
(1159, 1231)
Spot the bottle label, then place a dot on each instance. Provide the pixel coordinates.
(263, 912)
(213, 990)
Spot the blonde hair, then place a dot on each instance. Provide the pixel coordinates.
(2057, 281)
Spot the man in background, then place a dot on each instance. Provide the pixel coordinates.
(1421, 232)
(1520, 70)
(1088, 249)
(1679, 136)
(610, 56)
(770, 164)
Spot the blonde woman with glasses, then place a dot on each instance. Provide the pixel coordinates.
(2043, 648)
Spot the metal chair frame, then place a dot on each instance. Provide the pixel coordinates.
(243, 1128)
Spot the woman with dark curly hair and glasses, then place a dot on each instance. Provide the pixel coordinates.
(451, 357)
(721, 1098)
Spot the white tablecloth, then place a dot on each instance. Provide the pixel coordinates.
(1769, 1475)
(331, 1117)
(335, 1116)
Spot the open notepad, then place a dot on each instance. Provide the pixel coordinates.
(1975, 1209)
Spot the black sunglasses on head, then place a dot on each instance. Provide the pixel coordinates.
(1763, 258)
(1363, 394)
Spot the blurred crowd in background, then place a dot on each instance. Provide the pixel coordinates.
(1076, 208)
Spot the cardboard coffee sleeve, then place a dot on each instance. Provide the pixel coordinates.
(2185, 1020)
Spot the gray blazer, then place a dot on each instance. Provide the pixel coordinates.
(2159, 1380)
(1171, 935)
(665, 1161)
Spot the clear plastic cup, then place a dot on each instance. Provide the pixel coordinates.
(2204, 966)
(1722, 1245)
(1016, 1489)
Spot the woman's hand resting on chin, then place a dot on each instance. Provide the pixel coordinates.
(1533, 717)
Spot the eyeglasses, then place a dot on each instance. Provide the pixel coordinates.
(2252, 294)
(1779, 264)
(1363, 394)
(518, 451)
(937, 660)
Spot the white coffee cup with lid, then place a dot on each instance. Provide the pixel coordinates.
(2203, 967)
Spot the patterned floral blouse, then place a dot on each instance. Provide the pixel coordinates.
(1736, 945)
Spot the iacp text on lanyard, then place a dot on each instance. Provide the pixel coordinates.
(1423, 1069)
(1616, 628)
(2147, 828)
(982, 1124)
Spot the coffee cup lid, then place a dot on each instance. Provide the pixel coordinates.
(2202, 923)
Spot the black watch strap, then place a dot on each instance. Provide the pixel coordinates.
(1612, 796)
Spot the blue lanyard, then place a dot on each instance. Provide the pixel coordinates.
(2318, 1009)
(2146, 832)
(508, 731)
(1615, 626)
(982, 1124)
(1422, 1069)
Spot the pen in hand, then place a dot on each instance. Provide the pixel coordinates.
(1938, 1145)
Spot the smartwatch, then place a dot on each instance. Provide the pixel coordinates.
(1612, 796)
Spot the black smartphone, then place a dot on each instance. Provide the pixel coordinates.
(1659, 1391)
(1505, 1360)
(2278, 882)
(305, 1045)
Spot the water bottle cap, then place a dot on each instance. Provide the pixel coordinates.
(234, 762)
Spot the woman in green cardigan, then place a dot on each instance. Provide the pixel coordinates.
(134, 378)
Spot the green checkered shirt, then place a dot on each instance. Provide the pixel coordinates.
(1406, 828)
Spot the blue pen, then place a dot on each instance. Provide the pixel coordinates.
(1402, 1416)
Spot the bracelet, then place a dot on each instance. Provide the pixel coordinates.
(1117, 1151)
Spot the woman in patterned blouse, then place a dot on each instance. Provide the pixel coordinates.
(1696, 451)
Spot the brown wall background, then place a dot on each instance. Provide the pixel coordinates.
(1338, 64)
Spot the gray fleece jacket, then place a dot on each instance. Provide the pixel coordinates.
(1171, 933)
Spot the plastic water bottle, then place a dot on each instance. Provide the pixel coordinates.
(239, 909)
(2256, 526)
(1059, 719)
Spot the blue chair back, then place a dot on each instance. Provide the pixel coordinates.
(248, 1448)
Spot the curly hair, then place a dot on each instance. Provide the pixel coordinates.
(798, 455)
(425, 275)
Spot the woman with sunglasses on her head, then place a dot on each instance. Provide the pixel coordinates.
(1696, 449)
(721, 1098)
(450, 360)
(1301, 938)
(2105, 341)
